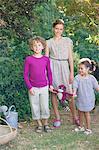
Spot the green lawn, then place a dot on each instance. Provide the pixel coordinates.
(63, 138)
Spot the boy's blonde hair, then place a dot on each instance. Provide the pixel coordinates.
(38, 39)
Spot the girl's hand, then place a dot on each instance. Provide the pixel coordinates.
(74, 94)
(32, 91)
(71, 78)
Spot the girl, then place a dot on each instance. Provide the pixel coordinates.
(59, 49)
(84, 86)
(38, 76)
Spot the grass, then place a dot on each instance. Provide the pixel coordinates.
(63, 138)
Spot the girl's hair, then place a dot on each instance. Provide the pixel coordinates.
(88, 64)
(38, 39)
(59, 21)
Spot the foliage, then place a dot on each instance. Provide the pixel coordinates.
(81, 21)
(12, 86)
(18, 15)
(83, 47)
(84, 13)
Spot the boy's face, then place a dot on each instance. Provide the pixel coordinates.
(37, 47)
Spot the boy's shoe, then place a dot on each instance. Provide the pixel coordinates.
(88, 131)
(79, 129)
(47, 128)
(39, 129)
(57, 123)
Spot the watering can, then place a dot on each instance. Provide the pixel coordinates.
(11, 115)
(3, 109)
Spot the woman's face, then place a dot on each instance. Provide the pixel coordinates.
(58, 30)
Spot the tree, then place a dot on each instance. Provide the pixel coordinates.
(16, 14)
(82, 14)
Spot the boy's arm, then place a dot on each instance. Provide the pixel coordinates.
(49, 72)
(26, 74)
(49, 75)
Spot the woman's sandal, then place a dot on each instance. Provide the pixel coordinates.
(57, 123)
(47, 128)
(39, 129)
(76, 121)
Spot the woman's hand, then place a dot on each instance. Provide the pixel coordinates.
(32, 91)
(71, 78)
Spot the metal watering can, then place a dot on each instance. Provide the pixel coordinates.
(3, 109)
(11, 116)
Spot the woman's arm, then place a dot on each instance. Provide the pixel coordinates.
(71, 64)
(47, 51)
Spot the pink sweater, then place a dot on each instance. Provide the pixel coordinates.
(37, 72)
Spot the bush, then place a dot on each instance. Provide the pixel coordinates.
(12, 87)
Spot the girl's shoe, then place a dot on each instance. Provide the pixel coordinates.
(57, 123)
(47, 128)
(88, 131)
(79, 129)
(39, 129)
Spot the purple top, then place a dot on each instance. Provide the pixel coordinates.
(37, 72)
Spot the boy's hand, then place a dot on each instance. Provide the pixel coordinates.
(32, 91)
(51, 89)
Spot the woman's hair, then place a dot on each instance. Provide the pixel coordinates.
(38, 39)
(59, 21)
(88, 64)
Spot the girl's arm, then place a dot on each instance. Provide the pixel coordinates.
(71, 65)
(75, 86)
(95, 84)
(74, 93)
(97, 89)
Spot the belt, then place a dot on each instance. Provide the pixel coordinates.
(59, 59)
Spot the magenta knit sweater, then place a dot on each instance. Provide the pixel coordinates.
(37, 72)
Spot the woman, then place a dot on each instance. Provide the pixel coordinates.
(59, 49)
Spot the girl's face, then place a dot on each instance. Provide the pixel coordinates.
(58, 30)
(83, 70)
(37, 47)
